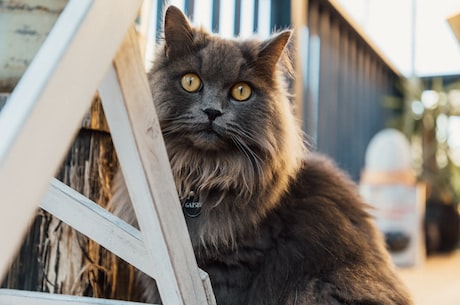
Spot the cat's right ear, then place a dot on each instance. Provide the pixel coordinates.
(178, 33)
(272, 50)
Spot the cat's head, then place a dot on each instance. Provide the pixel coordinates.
(223, 106)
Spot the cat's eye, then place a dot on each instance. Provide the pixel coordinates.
(191, 82)
(241, 92)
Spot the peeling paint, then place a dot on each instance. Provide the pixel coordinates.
(24, 26)
(13, 6)
(26, 31)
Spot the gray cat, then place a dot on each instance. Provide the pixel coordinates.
(270, 222)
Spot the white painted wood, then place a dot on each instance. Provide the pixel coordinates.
(20, 297)
(227, 18)
(246, 18)
(202, 13)
(98, 224)
(207, 287)
(131, 116)
(263, 25)
(24, 26)
(103, 227)
(151, 33)
(178, 3)
(62, 80)
(44, 111)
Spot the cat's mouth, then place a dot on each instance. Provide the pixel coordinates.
(209, 137)
(210, 132)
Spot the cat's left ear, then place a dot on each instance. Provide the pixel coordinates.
(273, 48)
(178, 33)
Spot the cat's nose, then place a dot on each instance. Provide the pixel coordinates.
(212, 113)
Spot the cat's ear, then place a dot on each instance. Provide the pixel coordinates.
(178, 33)
(272, 49)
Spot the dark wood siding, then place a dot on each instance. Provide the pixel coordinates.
(343, 105)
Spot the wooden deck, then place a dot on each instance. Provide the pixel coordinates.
(436, 282)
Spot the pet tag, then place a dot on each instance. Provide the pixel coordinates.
(192, 206)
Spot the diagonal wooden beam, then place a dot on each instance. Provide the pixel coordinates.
(98, 224)
(137, 137)
(43, 113)
(111, 232)
(88, 218)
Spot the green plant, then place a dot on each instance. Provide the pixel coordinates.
(428, 118)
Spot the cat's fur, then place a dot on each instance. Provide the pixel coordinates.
(278, 225)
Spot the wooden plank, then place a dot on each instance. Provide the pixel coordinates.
(111, 232)
(21, 297)
(148, 31)
(311, 107)
(227, 18)
(264, 15)
(247, 18)
(454, 22)
(3, 98)
(131, 116)
(299, 15)
(98, 224)
(44, 111)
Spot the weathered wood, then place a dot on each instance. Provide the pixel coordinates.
(24, 26)
(114, 234)
(53, 256)
(3, 98)
(111, 232)
(41, 262)
(32, 141)
(131, 115)
(72, 263)
(94, 119)
(17, 297)
(454, 22)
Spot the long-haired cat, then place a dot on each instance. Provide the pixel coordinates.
(269, 222)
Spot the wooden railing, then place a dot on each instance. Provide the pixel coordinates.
(344, 80)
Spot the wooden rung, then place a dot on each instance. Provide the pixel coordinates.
(21, 297)
(111, 232)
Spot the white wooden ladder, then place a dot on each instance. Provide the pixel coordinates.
(93, 46)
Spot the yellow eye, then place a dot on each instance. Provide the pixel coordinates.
(241, 91)
(191, 82)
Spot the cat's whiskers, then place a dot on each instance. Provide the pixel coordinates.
(252, 157)
(251, 136)
(256, 160)
(177, 125)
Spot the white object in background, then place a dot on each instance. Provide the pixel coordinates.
(388, 150)
(389, 185)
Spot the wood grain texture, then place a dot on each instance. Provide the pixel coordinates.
(454, 22)
(24, 25)
(111, 232)
(56, 258)
(60, 81)
(137, 137)
(17, 297)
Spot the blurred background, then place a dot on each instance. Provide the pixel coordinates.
(362, 66)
